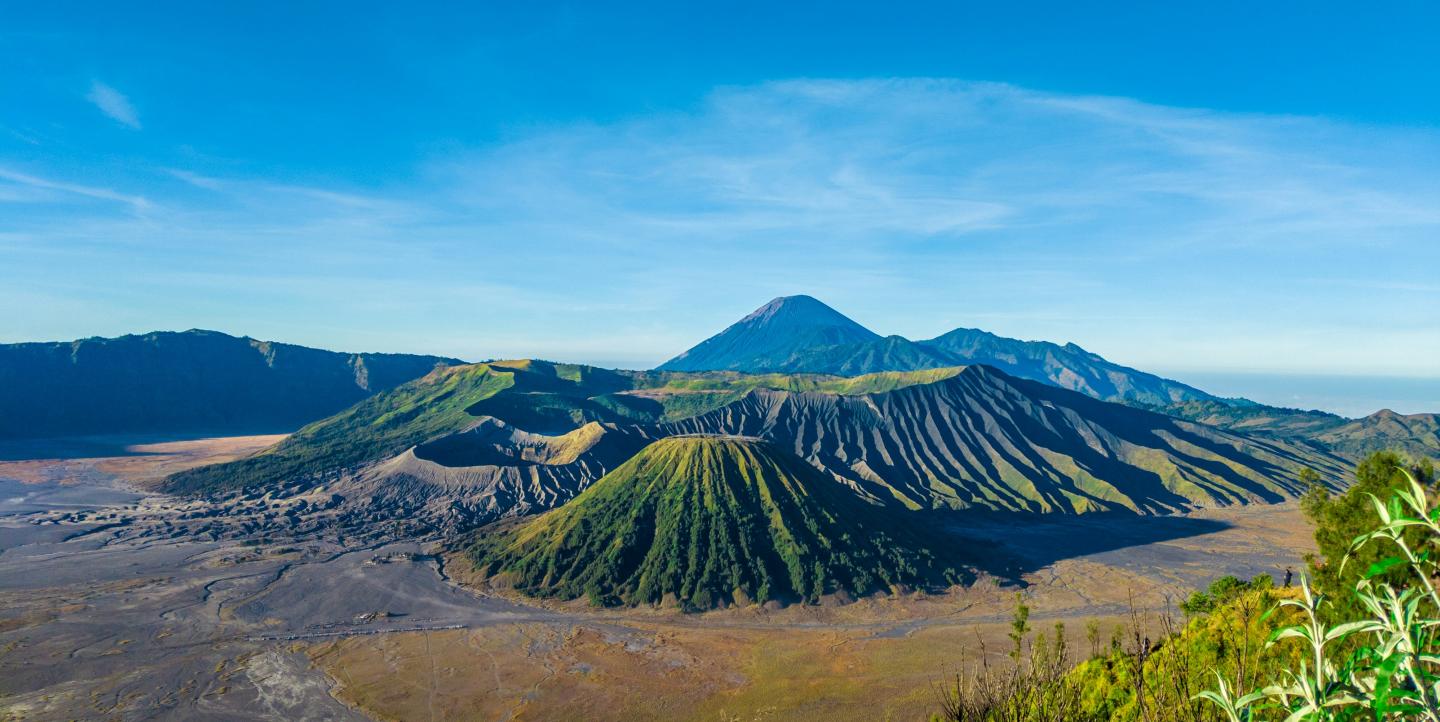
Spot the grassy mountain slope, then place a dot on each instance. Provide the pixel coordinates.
(537, 396)
(1251, 417)
(1413, 434)
(705, 521)
(378, 427)
(185, 382)
(983, 439)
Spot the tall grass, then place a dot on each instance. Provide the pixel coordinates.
(1037, 688)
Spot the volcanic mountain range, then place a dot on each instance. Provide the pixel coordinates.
(799, 334)
(966, 420)
(787, 457)
(209, 382)
(458, 443)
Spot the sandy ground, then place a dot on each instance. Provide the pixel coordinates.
(879, 658)
(135, 461)
(115, 605)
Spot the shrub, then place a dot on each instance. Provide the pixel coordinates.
(1221, 592)
(1339, 519)
(1360, 642)
(1037, 690)
(1391, 671)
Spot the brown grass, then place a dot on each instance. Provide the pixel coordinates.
(648, 672)
(851, 662)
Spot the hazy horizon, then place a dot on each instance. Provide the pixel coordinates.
(1352, 395)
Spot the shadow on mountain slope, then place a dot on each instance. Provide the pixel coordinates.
(1022, 544)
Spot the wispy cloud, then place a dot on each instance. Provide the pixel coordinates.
(135, 202)
(113, 103)
(26, 138)
(197, 180)
(1155, 235)
(892, 160)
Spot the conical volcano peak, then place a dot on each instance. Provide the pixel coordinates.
(804, 310)
(713, 520)
(773, 336)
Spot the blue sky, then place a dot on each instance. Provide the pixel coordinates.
(1223, 188)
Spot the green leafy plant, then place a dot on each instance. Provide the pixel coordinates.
(1358, 641)
(1384, 664)
(1019, 627)
(1221, 592)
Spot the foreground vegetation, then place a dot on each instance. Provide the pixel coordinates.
(1362, 643)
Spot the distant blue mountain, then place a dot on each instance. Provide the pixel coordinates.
(799, 334)
(186, 382)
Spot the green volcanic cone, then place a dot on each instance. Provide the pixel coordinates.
(705, 521)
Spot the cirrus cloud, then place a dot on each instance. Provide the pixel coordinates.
(114, 104)
(1161, 237)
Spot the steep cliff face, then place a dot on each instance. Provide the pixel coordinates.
(195, 381)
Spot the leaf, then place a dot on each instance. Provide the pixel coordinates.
(1384, 674)
(1300, 714)
(1382, 566)
(1346, 629)
(1289, 633)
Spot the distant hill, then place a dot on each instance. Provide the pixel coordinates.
(1414, 434)
(1067, 366)
(192, 381)
(701, 522)
(484, 441)
(800, 334)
